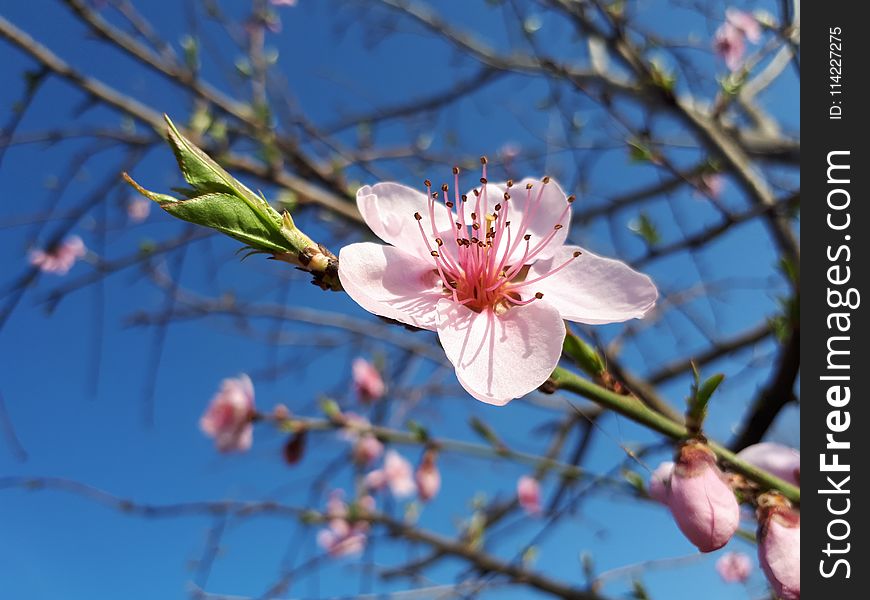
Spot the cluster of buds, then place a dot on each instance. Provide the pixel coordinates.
(705, 508)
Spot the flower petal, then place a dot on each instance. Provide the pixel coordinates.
(499, 358)
(388, 209)
(388, 282)
(592, 289)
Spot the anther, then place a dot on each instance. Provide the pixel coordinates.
(577, 253)
(456, 170)
(571, 198)
(507, 196)
(483, 180)
(427, 183)
(435, 195)
(539, 295)
(507, 224)
(444, 187)
(418, 216)
(474, 216)
(475, 226)
(439, 241)
(464, 197)
(497, 207)
(474, 240)
(483, 160)
(449, 204)
(529, 186)
(557, 226)
(546, 179)
(476, 192)
(510, 183)
(527, 237)
(434, 253)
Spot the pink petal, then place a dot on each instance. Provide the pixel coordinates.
(529, 494)
(660, 482)
(388, 209)
(782, 461)
(499, 358)
(779, 556)
(745, 22)
(391, 283)
(592, 289)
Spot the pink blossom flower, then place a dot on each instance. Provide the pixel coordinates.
(729, 44)
(529, 494)
(701, 502)
(779, 547)
(397, 474)
(782, 461)
(60, 259)
(283, 2)
(710, 184)
(490, 272)
(745, 22)
(342, 537)
(427, 477)
(660, 482)
(366, 447)
(734, 567)
(138, 209)
(229, 416)
(367, 381)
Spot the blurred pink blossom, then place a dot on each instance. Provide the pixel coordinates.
(782, 461)
(366, 447)
(341, 537)
(729, 43)
(138, 209)
(283, 2)
(745, 22)
(367, 381)
(428, 477)
(229, 416)
(734, 567)
(710, 184)
(397, 474)
(60, 259)
(529, 494)
(498, 288)
(701, 501)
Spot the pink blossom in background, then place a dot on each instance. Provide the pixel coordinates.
(60, 259)
(366, 447)
(397, 474)
(710, 184)
(283, 2)
(427, 477)
(229, 416)
(734, 567)
(745, 22)
(138, 209)
(779, 547)
(367, 381)
(660, 482)
(701, 501)
(729, 44)
(782, 461)
(341, 537)
(529, 494)
(490, 272)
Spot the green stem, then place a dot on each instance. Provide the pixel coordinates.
(634, 409)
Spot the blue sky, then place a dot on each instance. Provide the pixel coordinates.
(54, 545)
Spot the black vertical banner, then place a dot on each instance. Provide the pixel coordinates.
(835, 224)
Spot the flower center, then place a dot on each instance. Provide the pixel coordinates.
(486, 264)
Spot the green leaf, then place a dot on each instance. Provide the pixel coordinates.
(701, 394)
(644, 228)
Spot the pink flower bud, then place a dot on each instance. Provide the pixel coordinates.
(367, 449)
(779, 546)
(138, 209)
(745, 22)
(702, 503)
(729, 44)
(734, 567)
(367, 381)
(229, 416)
(397, 474)
(782, 461)
(660, 482)
(280, 412)
(59, 259)
(529, 495)
(427, 477)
